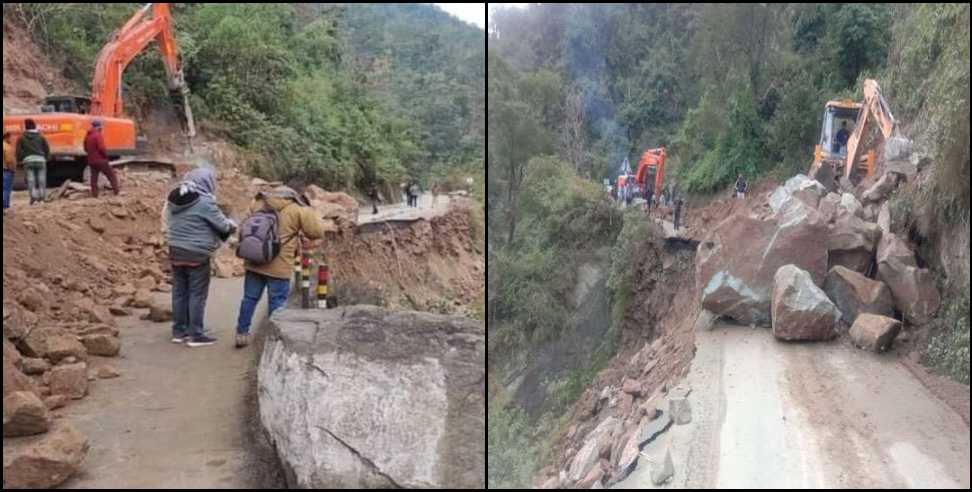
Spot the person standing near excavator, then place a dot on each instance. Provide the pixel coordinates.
(33, 152)
(94, 146)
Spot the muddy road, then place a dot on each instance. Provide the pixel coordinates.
(774, 415)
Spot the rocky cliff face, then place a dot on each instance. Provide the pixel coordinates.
(361, 397)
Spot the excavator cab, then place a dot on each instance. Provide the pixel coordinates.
(831, 161)
(835, 115)
(66, 104)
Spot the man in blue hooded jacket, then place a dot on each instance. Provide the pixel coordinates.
(196, 229)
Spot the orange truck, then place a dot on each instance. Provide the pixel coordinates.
(65, 120)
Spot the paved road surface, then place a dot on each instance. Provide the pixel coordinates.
(774, 415)
(177, 417)
(392, 213)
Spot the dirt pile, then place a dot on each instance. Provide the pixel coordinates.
(434, 266)
(28, 75)
(614, 417)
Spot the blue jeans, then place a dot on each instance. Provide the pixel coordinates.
(190, 291)
(253, 288)
(8, 179)
(37, 183)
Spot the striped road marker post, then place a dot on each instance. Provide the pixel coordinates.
(323, 276)
(297, 260)
(305, 281)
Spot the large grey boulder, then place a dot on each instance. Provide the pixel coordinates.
(853, 243)
(856, 294)
(801, 311)
(799, 187)
(362, 397)
(737, 261)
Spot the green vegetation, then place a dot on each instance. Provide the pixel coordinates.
(511, 453)
(948, 351)
(563, 218)
(335, 94)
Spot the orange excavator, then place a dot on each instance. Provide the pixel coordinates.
(831, 158)
(651, 167)
(65, 120)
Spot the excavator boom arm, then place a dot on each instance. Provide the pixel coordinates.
(125, 46)
(876, 108)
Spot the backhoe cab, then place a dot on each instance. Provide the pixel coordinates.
(831, 159)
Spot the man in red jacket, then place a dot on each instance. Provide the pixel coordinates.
(94, 146)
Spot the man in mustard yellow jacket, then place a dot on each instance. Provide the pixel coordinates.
(297, 222)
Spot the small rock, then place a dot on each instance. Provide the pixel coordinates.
(70, 380)
(103, 345)
(108, 372)
(32, 366)
(124, 290)
(681, 410)
(54, 402)
(97, 225)
(874, 333)
(46, 461)
(662, 470)
(143, 298)
(119, 311)
(24, 414)
(147, 283)
(631, 387)
(159, 314)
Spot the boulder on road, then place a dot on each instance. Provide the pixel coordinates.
(874, 333)
(11, 354)
(590, 453)
(801, 311)
(662, 467)
(828, 207)
(799, 188)
(881, 189)
(738, 260)
(681, 410)
(24, 414)
(159, 313)
(33, 367)
(46, 461)
(70, 380)
(631, 387)
(852, 243)
(855, 294)
(913, 289)
(391, 382)
(898, 148)
(892, 247)
(53, 344)
(102, 344)
(14, 379)
(850, 205)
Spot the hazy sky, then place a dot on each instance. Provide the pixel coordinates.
(494, 5)
(474, 13)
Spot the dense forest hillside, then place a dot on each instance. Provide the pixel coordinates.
(576, 89)
(329, 93)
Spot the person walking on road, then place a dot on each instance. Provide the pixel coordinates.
(9, 168)
(94, 146)
(741, 187)
(373, 196)
(33, 152)
(196, 229)
(295, 220)
(414, 192)
(677, 210)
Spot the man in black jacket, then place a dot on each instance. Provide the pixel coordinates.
(33, 153)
